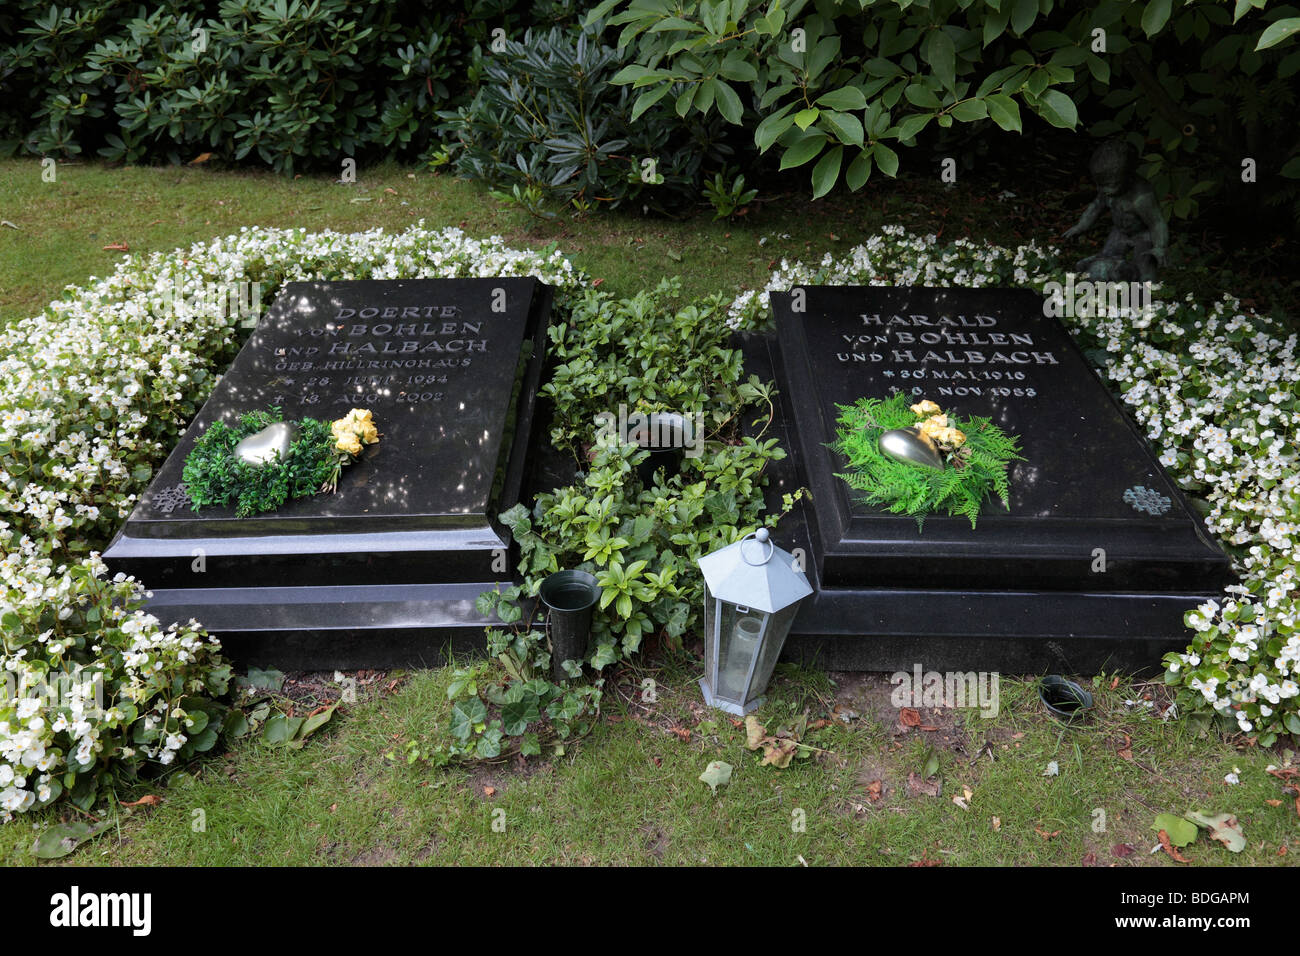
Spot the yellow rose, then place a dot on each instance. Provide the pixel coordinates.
(951, 437)
(369, 433)
(925, 407)
(349, 444)
(931, 428)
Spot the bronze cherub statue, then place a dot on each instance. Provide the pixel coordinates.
(1139, 236)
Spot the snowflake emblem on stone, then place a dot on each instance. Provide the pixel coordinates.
(168, 500)
(1148, 500)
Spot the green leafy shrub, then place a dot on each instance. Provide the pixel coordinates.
(288, 83)
(841, 88)
(548, 121)
(648, 352)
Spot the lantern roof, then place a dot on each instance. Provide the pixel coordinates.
(754, 573)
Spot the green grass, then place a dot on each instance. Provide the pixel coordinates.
(628, 793)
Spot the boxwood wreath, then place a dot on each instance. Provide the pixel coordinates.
(95, 391)
(215, 475)
(976, 455)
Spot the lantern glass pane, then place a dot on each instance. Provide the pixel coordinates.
(778, 626)
(710, 635)
(741, 636)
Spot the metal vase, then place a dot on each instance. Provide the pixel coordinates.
(570, 598)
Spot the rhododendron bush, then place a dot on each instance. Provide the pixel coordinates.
(94, 393)
(1217, 389)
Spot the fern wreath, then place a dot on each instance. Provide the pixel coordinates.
(976, 455)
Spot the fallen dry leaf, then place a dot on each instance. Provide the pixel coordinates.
(1281, 851)
(1284, 773)
(201, 158)
(116, 247)
(1170, 848)
(909, 717)
(1046, 835)
(149, 800)
(874, 790)
(333, 807)
(1274, 803)
(1114, 682)
(489, 791)
(1123, 850)
(1090, 859)
(997, 824)
(1126, 752)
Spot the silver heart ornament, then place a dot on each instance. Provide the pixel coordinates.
(911, 447)
(263, 446)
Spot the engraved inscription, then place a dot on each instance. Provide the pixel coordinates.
(949, 356)
(375, 355)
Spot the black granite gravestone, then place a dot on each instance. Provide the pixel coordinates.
(386, 569)
(1096, 562)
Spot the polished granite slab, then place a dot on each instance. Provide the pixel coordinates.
(1025, 585)
(449, 368)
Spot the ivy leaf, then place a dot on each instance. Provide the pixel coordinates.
(517, 715)
(465, 715)
(489, 745)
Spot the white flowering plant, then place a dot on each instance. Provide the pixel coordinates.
(1216, 387)
(94, 393)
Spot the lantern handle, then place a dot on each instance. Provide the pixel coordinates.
(762, 536)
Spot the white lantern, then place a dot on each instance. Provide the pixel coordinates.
(752, 590)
